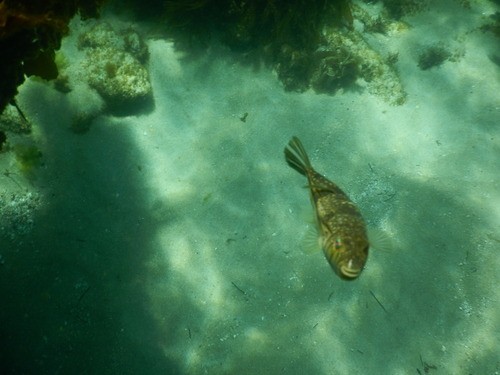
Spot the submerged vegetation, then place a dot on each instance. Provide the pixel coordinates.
(259, 23)
(399, 8)
(284, 34)
(433, 56)
(309, 43)
(493, 24)
(30, 33)
(28, 157)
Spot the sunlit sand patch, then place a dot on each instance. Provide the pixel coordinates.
(196, 271)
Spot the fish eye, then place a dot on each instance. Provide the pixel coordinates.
(338, 243)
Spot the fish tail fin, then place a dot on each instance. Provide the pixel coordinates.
(296, 156)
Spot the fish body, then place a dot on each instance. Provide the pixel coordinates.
(341, 227)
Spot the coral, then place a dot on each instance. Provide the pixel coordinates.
(30, 32)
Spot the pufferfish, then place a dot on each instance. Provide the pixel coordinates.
(342, 230)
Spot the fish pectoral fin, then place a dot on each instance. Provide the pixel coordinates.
(380, 240)
(311, 241)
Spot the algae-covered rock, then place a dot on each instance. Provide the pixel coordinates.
(343, 60)
(334, 70)
(103, 35)
(119, 77)
(378, 73)
(115, 67)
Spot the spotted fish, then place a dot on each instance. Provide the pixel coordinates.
(341, 227)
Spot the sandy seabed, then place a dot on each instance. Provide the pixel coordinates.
(171, 242)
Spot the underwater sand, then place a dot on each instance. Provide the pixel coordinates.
(171, 242)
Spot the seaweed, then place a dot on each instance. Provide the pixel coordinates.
(284, 34)
(245, 25)
(30, 33)
(28, 157)
(309, 43)
(433, 56)
(294, 68)
(398, 9)
(493, 26)
(334, 70)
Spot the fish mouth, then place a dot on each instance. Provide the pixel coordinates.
(349, 272)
